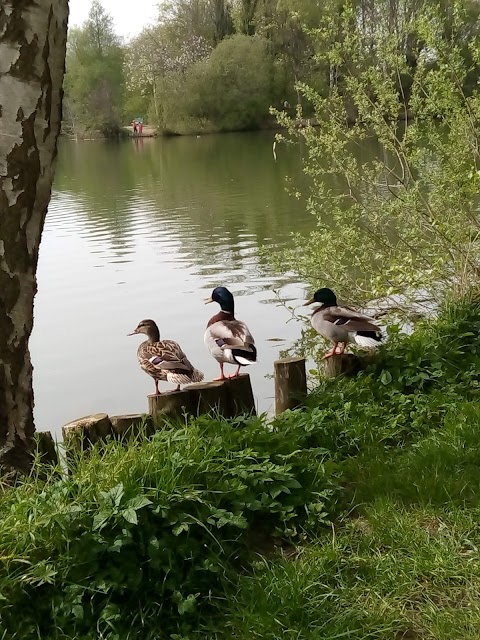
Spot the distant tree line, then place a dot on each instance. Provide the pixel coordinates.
(215, 65)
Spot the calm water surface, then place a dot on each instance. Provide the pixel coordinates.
(146, 229)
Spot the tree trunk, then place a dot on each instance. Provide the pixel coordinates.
(33, 36)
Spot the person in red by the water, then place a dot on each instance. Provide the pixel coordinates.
(140, 127)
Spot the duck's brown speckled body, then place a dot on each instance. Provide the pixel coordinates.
(164, 359)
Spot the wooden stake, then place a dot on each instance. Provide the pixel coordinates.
(227, 398)
(290, 384)
(170, 403)
(126, 426)
(46, 447)
(347, 364)
(81, 434)
(240, 396)
(209, 397)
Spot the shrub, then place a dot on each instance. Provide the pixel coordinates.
(230, 90)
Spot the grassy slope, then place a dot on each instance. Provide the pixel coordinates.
(376, 484)
(402, 559)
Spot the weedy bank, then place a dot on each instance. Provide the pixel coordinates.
(356, 517)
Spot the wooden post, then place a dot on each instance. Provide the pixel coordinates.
(170, 403)
(347, 364)
(46, 447)
(290, 384)
(81, 434)
(209, 397)
(240, 396)
(227, 398)
(127, 425)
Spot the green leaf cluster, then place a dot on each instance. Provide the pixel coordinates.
(94, 79)
(150, 535)
(217, 529)
(229, 90)
(394, 161)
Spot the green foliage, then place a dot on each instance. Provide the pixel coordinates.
(402, 561)
(404, 222)
(148, 536)
(94, 80)
(230, 90)
(270, 51)
(393, 573)
(216, 529)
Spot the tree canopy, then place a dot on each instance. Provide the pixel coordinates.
(94, 80)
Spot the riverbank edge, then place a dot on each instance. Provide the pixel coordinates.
(335, 517)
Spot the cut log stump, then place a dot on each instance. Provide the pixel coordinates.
(227, 398)
(46, 447)
(290, 384)
(346, 364)
(126, 426)
(81, 434)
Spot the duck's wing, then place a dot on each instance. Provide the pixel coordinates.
(349, 319)
(166, 355)
(232, 334)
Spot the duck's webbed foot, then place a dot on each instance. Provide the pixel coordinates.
(222, 375)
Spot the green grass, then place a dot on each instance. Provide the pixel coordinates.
(391, 573)
(357, 517)
(149, 535)
(401, 559)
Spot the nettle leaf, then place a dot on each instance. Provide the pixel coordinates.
(118, 544)
(77, 611)
(130, 515)
(386, 377)
(100, 519)
(138, 502)
(115, 494)
(183, 526)
(188, 605)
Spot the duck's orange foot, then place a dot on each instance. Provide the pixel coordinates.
(329, 355)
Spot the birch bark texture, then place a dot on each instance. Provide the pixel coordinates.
(33, 36)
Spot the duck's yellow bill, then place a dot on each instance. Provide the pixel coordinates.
(208, 300)
(311, 301)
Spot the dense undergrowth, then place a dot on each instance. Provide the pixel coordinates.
(355, 518)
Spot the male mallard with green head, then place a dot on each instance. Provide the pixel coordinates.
(341, 324)
(164, 360)
(228, 339)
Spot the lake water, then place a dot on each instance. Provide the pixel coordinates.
(146, 229)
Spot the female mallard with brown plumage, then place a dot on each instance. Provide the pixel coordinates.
(342, 324)
(229, 340)
(164, 360)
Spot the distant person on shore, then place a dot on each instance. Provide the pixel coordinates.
(140, 127)
(134, 126)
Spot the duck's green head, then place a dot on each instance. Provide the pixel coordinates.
(224, 298)
(323, 296)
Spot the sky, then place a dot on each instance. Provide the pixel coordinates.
(128, 17)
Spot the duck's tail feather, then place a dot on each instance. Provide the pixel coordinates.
(197, 376)
(368, 338)
(243, 357)
(184, 378)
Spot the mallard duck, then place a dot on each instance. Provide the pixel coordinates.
(164, 360)
(228, 339)
(341, 324)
